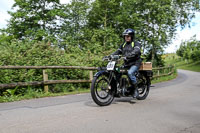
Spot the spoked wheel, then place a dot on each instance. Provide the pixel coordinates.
(101, 90)
(143, 87)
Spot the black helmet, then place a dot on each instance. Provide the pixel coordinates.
(129, 32)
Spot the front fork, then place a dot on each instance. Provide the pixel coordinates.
(122, 85)
(114, 82)
(119, 84)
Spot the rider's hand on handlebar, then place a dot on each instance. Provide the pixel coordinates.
(111, 56)
(107, 57)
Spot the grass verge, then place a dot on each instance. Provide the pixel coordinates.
(180, 63)
(165, 78)
(35, 95)
(193, 66)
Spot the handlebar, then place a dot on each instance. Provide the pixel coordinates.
(116, 57)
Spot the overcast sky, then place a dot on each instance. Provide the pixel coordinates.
(182, 35)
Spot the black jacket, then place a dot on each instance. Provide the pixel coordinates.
(128, 50)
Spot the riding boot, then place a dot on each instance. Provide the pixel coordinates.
(136, 92)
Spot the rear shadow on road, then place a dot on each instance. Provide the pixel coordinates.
(129, 100)
(124, 100)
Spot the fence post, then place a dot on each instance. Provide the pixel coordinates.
(163, 70)
(158, 73)
(169, 70)
(173, 69)
(91, 77)
(45, 78)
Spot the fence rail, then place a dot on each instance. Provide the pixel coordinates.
(163, 71)
(46, 82)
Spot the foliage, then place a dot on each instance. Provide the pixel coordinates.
(181, 63)
(158, 59)
(190, 49)
(35, 19)
(192, 66)
(85, 23)
(73, 19)
(165, 78)
(30, 53)
(80, 33)
(155, 22)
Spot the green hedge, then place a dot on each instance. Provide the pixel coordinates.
(30, 53)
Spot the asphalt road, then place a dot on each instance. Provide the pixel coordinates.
(171, 107)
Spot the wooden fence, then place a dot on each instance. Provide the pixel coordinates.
(163, 71)
(158, 72)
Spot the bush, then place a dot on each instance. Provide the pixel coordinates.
(30, 53)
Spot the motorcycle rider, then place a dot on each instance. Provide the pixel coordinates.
(131, 49)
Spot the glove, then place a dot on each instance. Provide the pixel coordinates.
(105, 57)
(109, 57)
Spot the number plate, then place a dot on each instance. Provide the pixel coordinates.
(111, 65)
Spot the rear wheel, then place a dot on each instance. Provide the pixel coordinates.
(143, 87)
(101, 90)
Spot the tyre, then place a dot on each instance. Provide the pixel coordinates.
(143, 87)
(101, 90)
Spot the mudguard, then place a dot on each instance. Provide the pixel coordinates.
(100, 73)
(105, 72)
(147, 73)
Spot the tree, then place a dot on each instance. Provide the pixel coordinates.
(190, 49)
(92, 25)
(73, 21)
(102, 22)
(155, 22)
(35, 19)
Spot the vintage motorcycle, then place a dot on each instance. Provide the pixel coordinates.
(113, 81)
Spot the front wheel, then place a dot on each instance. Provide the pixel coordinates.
(101, 90)
(143, 87)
